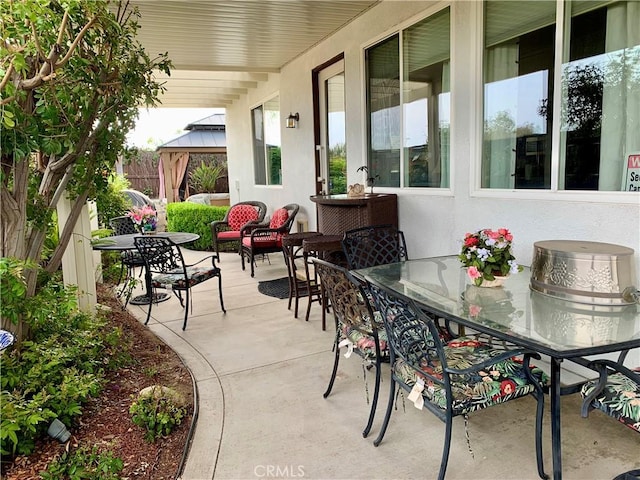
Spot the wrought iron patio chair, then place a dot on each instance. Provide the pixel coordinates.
(355, 326)
(454, 378)
(240, 214)
(262, 239)
(615, 392)
(129, 259)
(374, 245)
(165, 268)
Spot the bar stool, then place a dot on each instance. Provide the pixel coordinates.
(325, 247)
(298, 285)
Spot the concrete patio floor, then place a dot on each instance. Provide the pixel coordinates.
(260, 376)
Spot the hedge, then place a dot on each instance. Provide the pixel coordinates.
(194, 218)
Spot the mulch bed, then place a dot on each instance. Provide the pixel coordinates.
(106, 420)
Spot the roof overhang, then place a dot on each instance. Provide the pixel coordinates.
(221, 49)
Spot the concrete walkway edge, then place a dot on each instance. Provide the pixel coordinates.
(204, 447)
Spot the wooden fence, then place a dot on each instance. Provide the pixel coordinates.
(142, 172)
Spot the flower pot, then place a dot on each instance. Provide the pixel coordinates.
(498, 282)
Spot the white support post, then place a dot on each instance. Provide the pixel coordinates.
(97, 255)
(77, 261)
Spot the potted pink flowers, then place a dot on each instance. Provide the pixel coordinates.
(487, 255)
(145, 218)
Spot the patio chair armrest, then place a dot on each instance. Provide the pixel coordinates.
(249, 227)
(604, 367)
(527, 354)
(219, 225)
(213, 258)
(263, 231)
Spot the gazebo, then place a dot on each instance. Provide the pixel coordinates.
(206, 135)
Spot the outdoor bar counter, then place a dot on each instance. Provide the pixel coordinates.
(338, 213)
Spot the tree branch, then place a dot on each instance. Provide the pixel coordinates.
(7, 74)
(8, 100)
(50, 64)
(41, 53)
(75, 43)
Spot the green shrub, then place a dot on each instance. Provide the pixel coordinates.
(194, 218)
(110, 201)
(157, 410)
(55, 372)
(84, 464)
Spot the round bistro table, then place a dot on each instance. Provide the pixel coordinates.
(125, 242)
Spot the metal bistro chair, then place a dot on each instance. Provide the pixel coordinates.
(129, 259)
(356, 327)
(615, 392)
(374, 245)
(454, 378)
(240, 214)
(166, 268)
(299, 285)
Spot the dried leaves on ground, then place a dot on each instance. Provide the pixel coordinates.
(106, 421)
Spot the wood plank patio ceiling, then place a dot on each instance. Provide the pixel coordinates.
(221, 49)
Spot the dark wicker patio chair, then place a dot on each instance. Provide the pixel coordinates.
(262, 239)
(240, 214)
(355, 326)
(166, 268)
(375, 245)
(454, 378)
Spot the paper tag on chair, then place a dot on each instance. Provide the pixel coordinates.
(415, 395)
(349, 344)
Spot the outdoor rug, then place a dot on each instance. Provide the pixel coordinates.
(278, 288)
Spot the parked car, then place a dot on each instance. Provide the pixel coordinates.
(138, 199)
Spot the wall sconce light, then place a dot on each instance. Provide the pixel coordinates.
(292, 120)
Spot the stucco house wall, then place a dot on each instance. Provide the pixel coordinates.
(433, 220)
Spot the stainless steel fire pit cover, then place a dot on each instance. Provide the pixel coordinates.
(585, 272)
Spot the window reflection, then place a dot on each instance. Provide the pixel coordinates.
(518, 71)
(601, 101)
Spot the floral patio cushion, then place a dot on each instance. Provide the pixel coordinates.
(175, 278)
(365, 343)
(239, 215)
(498, 383)
(619, 399)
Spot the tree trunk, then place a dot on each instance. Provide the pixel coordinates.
(13, 206)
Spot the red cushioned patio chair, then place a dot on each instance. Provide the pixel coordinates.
(264, 239)
(239, 215)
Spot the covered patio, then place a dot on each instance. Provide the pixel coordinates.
(260, 375)
(266, 60)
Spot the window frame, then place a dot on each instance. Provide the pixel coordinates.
(561, 43)
(265, 152)
(366, 141)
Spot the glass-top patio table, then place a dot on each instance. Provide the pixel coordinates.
(515, 313)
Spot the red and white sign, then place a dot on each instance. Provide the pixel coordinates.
(632, 183)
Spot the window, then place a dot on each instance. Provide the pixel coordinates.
(599, 113)
(600, 117)
(408, 115)
(265, 123)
